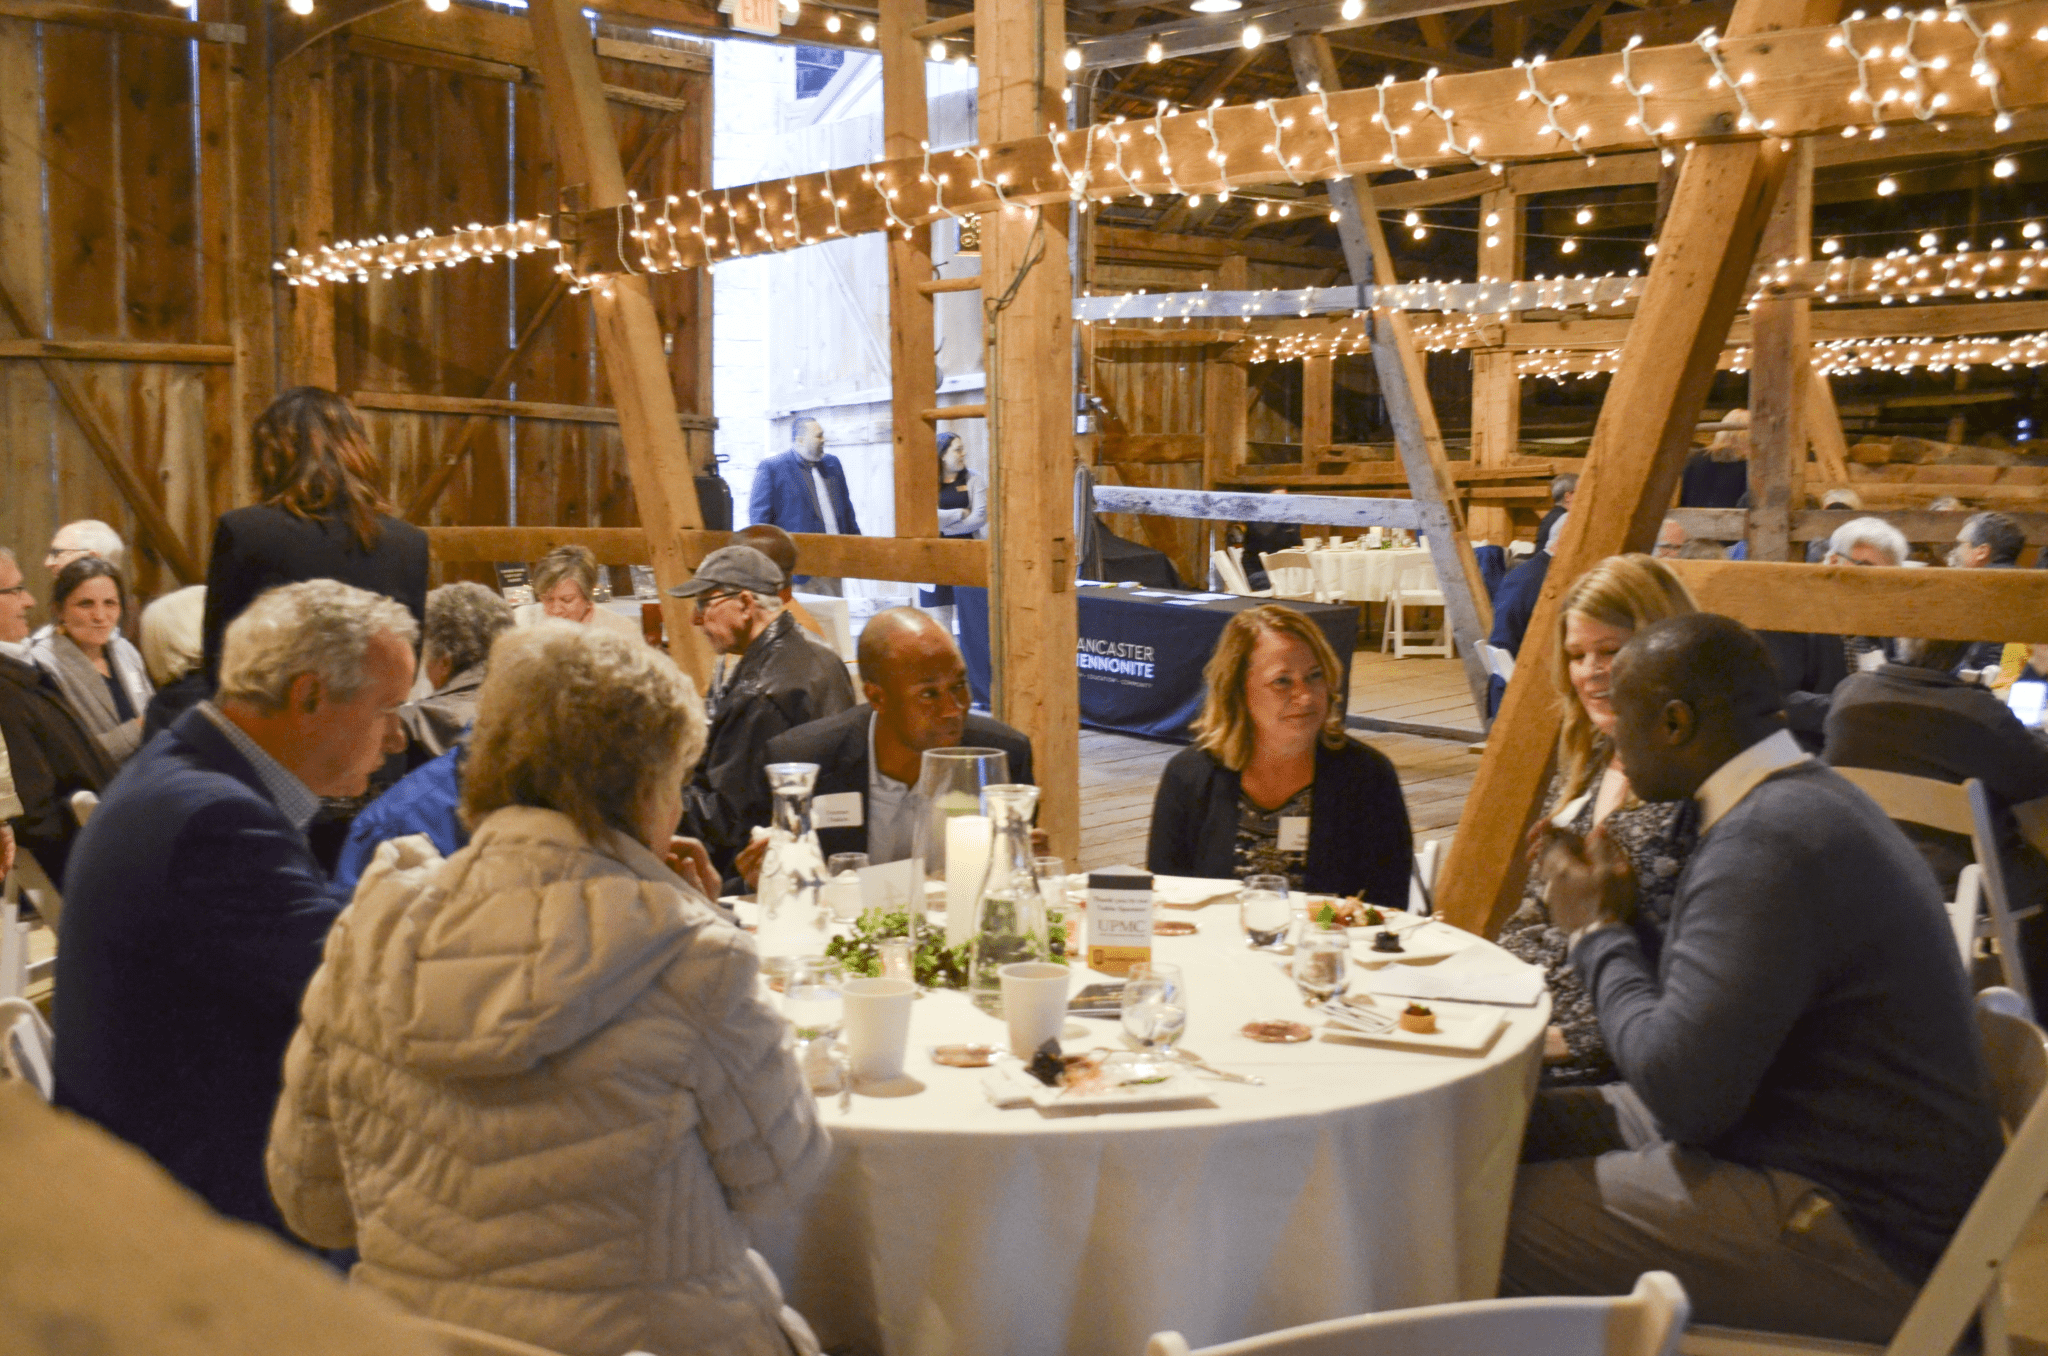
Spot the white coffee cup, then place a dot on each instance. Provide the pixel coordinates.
(877, 1027)
(1034, 1004)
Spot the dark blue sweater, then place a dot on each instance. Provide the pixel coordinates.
(1809, 1013)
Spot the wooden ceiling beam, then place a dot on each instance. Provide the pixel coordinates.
(1391, 49)
(1221, 32)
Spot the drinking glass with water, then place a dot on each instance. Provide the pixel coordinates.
(1155, 1006)
(1321, 960)
(1264, 910)
(811, 998)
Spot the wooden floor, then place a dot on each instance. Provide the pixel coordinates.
(1119, 773)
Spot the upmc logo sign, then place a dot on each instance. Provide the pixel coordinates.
(1115, 659)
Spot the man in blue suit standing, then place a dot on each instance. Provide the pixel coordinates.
(804, 490)
(194, 910)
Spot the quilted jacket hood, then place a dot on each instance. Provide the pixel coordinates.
(492, 960)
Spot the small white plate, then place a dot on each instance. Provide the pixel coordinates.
(1009, 1085)
(1421, 942)
(1457, 1033)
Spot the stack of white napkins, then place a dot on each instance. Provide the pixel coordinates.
(1190, 892)
(1474, 975)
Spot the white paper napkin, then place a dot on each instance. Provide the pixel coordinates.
(1497, 980)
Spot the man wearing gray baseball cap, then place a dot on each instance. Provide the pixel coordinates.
(775, 680)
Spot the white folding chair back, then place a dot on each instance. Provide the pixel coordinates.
(1935, 805)
(1496, 660)
(1290, 574)
(2013, 922)
(1427, 858)
(25, 1046)
(1645, 1323)
(28, 877)
(1233, 576)
(13, 943)
(1967, 1282)
(83, 803)
(1415, 591)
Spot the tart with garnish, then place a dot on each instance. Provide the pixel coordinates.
(1418, 1019)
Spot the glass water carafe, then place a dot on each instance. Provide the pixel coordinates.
(1009, 912)
(792, 879)
(949, 787)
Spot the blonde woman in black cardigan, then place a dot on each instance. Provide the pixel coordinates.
(1272, 784)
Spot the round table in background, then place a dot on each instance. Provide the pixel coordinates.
(1359, 1178)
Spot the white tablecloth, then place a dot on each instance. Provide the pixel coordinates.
(1368, 576)
(1358, 1178)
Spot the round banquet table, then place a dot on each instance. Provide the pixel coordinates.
(1358, 1178)
(1368, 576)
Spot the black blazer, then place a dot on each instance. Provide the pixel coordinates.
(53, 759)
(839, 746)
(193, 918)
(261, 547)
(1358, 838)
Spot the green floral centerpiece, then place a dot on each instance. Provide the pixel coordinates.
(934, 964)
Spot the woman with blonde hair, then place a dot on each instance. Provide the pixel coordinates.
(536, 1084)
(319, 515)
(1598, 614)
(1272, 785)
(565, 583)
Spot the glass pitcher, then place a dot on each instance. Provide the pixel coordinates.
(792, 877)
(949, 786)
(1009, 912)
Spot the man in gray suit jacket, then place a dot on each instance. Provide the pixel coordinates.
(1806, 1115)
(868, 758)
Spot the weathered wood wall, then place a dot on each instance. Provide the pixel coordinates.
(113, 154)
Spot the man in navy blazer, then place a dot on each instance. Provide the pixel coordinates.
(194, 911)
(804, 490)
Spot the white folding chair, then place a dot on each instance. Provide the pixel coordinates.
(1421, 887)
(1645, 1323)
(25, 1046)
(1496, 660)
(2014, 922)
(1407, 594)
(1935, 805)
(83, 803)
(1969, 1279)
(1290, 574)
(1233, 577)
(29, 879)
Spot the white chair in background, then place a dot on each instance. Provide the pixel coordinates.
(1496, 660)
(2013, 923)
(1291, 575)
(25, 1046)
(1233, 577)
(28, 878)
(83, 803)
(1422, 886)
(1968, 1282)
(1414, 592)
(1646, 1323)
(1935, 805)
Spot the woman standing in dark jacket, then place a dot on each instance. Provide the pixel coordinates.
(319, 516)
(1272, 784)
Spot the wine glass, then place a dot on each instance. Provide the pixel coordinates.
(1264, 910)
(1155, 1006)
(842, 894)
(811, 1000)
(1321, 960)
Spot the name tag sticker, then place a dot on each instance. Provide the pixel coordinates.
(1293, 833)
(840, 810)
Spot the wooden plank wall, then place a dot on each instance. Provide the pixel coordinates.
(120, 133)
(445, 333)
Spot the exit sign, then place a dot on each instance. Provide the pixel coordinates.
(757, 16)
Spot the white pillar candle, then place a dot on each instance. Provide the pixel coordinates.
(968, 839)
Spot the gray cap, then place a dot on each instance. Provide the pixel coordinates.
(733, 567)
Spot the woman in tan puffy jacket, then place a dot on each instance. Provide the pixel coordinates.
(535, 1084)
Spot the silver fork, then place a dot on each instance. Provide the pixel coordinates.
(1204, 1066)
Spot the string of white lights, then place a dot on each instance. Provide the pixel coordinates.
(1445, 115)
(1275, 148)
(1626, 78)
(1394, 135)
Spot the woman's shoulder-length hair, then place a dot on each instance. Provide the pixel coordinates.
(1224, 728)
(314, 460)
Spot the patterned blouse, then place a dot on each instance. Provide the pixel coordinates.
(1658, 837)
(1258, 838)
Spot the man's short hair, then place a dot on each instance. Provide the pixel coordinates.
(1702, 659)
(1563, 486)
(462, 620)
(98, 538)
(321, 626)
(2005, 537)
(772, 542)
(800, 423)
(1870, 532)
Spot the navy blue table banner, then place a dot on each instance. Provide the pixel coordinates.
(1142, 651)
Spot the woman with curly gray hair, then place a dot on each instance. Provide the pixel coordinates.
(575, 1078)
(463, 619)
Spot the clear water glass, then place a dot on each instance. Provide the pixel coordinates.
(811, 999)
(1155, 1006)
(1322, 964)
(1265, 911)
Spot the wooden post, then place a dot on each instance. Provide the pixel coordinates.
(1028, 323)
(1226, 396)
(1496, 389)
(1824, 428)
(1405, 390)
(1779, 388)
(628, 332)
(1317, 397)
(303, 89)
(913, 363)
(1697, 283)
